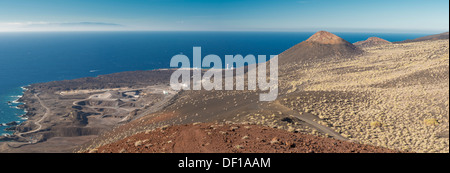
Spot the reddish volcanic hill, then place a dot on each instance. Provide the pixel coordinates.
(319, 47)
(324, 37)
(372, 41)
(231, 138)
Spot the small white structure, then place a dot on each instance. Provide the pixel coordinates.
(228, 66)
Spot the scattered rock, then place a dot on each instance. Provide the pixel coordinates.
(12, 123)
(291, 129)
(239, 147)
(274, 140)
(138, 143)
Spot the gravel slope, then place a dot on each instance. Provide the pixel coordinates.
(231, 138)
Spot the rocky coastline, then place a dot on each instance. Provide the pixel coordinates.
(65, 119)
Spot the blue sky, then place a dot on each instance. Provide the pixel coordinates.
(420, 16)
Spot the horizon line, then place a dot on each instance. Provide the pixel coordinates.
(286, 31)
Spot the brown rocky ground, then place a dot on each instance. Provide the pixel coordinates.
(231, 138)
(52, 145)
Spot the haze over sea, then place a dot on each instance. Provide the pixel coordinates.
(27, 58)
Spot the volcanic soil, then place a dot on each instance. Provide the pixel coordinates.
(231, 138)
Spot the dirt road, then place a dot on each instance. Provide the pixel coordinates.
(38, 122)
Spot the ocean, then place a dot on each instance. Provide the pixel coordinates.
(27, 58)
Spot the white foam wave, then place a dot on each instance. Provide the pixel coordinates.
(23, 87)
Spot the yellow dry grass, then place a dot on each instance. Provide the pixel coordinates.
(402, 95)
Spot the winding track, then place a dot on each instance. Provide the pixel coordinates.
(38, 122)
(278, 106)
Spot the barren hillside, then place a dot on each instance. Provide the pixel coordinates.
(231, 138)
(372, 41)
(393, 96)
